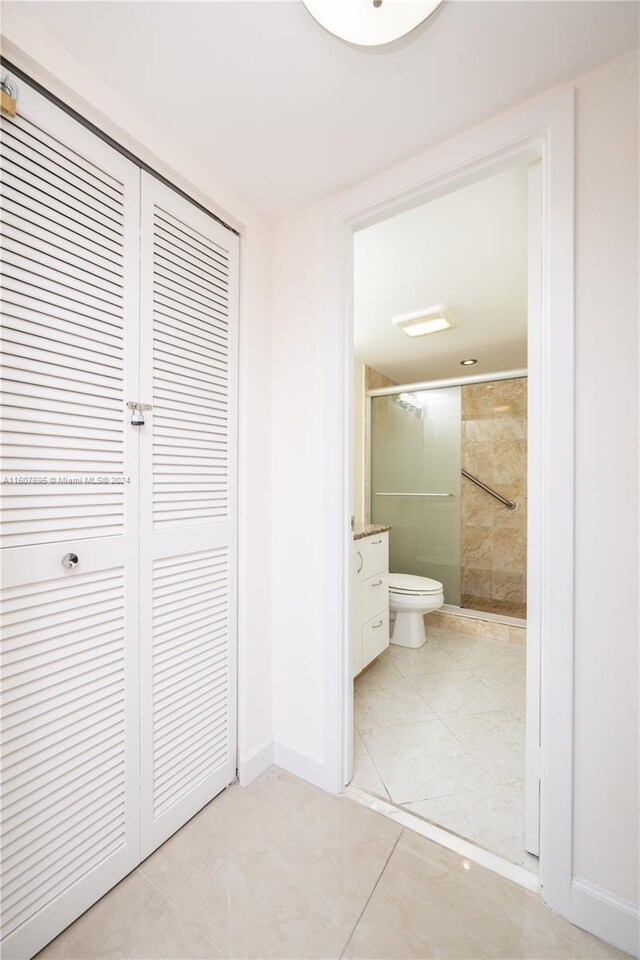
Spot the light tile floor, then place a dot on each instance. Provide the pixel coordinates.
(440, 731)
(282, 870)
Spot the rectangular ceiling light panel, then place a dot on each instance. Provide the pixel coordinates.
(425, 321)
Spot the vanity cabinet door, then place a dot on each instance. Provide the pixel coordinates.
(370, 600)
(374, 595)
(375, 637)
(375, 555)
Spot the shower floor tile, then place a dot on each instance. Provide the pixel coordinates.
(458, 761)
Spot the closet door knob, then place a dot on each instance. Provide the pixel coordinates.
(70, 560)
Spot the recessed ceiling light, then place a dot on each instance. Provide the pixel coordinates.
(467, 363)
(425, 321)
(370, 23)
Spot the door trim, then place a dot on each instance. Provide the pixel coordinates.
(543, 129)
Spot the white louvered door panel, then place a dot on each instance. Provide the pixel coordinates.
(188, 510)
(70, 685)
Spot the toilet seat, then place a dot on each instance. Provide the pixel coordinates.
(405, 584)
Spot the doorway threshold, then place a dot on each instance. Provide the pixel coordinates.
(445, 838)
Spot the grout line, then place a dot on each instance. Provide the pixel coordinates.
(452, 841)
(380, 777)
(467, 751)
(156, 887)
(182, 919)
(373, 890)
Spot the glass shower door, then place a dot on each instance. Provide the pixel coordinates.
(416, 482)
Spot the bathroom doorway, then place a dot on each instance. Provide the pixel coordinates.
(446, 715)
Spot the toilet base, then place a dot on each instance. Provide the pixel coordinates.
(408, 630)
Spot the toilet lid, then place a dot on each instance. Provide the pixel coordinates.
(407, 583)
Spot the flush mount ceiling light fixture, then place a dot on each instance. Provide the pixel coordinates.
(467, 363)
(425, 321)
(370, 23)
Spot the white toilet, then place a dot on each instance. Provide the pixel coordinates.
(409, 599)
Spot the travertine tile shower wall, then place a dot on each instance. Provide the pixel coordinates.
(494, 539)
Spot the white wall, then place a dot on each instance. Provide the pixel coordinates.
(26, 45)
(606, 760)
(607, 845)
(297, 485)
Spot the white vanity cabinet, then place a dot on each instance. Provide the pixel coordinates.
(371, 599)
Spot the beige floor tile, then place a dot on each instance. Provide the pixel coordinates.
(280, 870)
(496, 740)
(365, 775)
(515, 792)
(386, 697)
(483, 706)
(430, 658)
(513, 693)
(428, 905)
(283, 870)
(487, 817)
(418, 761)
(457, 694)
(472, 652)
(132, 922)
(380, 667)
(508, 680)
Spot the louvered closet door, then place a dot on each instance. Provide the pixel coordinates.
(188, 510)
(70, 793)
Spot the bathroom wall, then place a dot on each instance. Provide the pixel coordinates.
(494, 539)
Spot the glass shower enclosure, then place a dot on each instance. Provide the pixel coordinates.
(416, 459)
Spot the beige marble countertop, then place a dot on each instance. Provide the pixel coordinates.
(361, 530)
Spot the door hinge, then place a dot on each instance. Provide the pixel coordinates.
(534, 762)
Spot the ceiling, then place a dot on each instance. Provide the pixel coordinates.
(288, 115)
(466, 251)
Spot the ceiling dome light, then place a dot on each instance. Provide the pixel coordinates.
(467, 363)
(370, 23)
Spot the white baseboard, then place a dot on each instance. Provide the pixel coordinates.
(300, 762)
(609, 917)
(255, 761)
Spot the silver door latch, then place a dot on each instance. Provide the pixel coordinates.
(137, 412)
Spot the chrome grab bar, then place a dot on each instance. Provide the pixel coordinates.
(509, 504)
(413, 494)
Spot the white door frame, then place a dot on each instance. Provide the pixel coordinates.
(543, 129)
